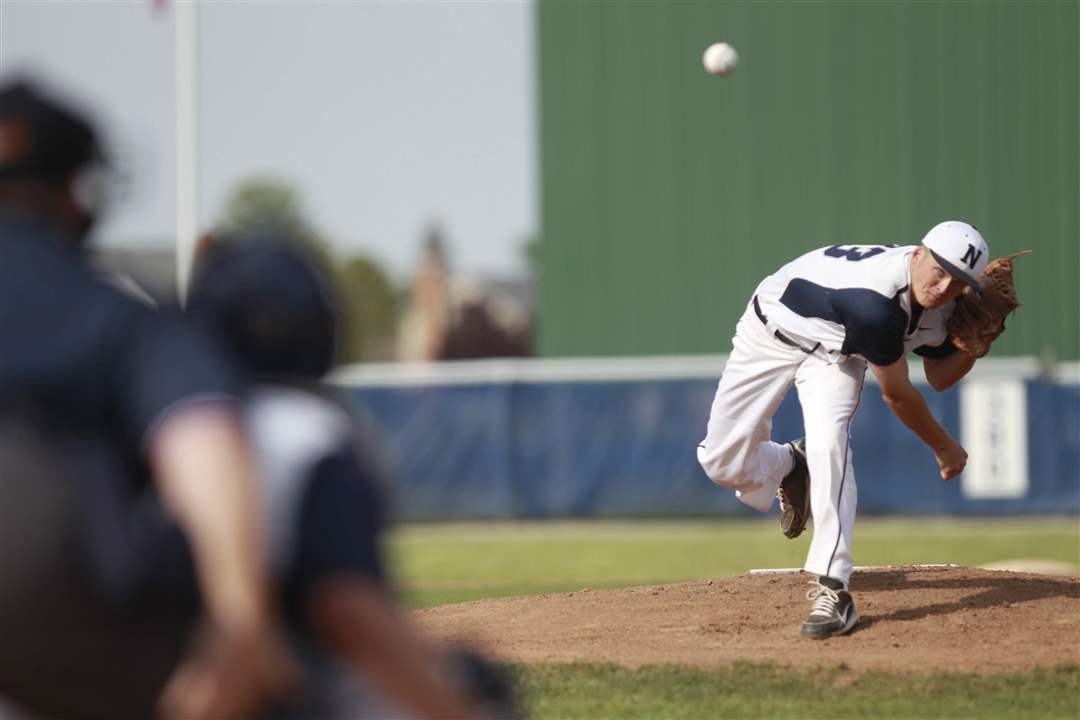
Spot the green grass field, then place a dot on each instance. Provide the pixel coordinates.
(766, 691)
(455, 562)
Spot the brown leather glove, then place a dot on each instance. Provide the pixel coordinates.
(978, 321)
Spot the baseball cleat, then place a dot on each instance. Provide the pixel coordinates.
(794, 493)
(833, 611)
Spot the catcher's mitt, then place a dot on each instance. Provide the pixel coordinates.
(975, 321)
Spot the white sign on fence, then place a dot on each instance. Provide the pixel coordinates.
(993, 428)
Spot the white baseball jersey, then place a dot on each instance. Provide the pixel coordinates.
(847, 300)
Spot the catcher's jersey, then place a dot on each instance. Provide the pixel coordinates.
(853, 300)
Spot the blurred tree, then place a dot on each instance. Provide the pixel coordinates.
(475, 333)
(368, 300)
(530, 251)
(371, 304)
(271, 205)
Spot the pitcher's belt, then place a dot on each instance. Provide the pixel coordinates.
(779, 335)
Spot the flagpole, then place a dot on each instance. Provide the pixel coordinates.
(187, 140)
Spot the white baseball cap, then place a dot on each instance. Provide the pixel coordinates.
(959, 248)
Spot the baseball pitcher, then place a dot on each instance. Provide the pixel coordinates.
(818, 323)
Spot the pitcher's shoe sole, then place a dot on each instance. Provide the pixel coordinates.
(794, 493)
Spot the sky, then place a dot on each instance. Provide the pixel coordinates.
(386, 117)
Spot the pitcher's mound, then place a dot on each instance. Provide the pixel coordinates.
(911, 618)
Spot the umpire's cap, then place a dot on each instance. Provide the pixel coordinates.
(269, 303)
(41, 137)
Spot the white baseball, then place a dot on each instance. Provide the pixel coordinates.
(720, 58)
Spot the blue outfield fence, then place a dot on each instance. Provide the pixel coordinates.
(618, 437)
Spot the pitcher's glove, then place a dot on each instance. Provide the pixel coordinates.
(977, 321)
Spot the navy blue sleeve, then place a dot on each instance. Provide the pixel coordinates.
(340, 522)
(874, 324)
(162, 363)
(937, 352)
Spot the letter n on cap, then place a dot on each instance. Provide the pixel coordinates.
(971, 256)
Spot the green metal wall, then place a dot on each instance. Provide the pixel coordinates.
(667, 193)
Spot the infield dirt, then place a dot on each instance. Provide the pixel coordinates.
(957, 619)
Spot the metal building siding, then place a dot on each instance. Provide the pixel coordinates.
(667, 194)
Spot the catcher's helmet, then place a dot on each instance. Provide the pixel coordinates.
(269, 304)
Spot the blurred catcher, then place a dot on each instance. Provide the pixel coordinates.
(818, 323)
(265, 300)
(99, 396)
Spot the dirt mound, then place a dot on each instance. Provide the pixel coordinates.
(961, 619)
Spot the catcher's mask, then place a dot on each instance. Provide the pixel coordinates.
(269, 304)
(960, 249)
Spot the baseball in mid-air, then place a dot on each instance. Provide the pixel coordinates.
(720, 58)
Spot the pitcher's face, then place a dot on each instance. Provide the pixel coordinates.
(932, 285)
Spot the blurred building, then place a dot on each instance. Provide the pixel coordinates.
(447, 317)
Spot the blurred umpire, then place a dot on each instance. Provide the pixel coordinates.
(100, 396)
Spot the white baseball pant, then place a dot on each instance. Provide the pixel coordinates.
(737, 451)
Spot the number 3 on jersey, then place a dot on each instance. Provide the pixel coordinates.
(855, 253)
